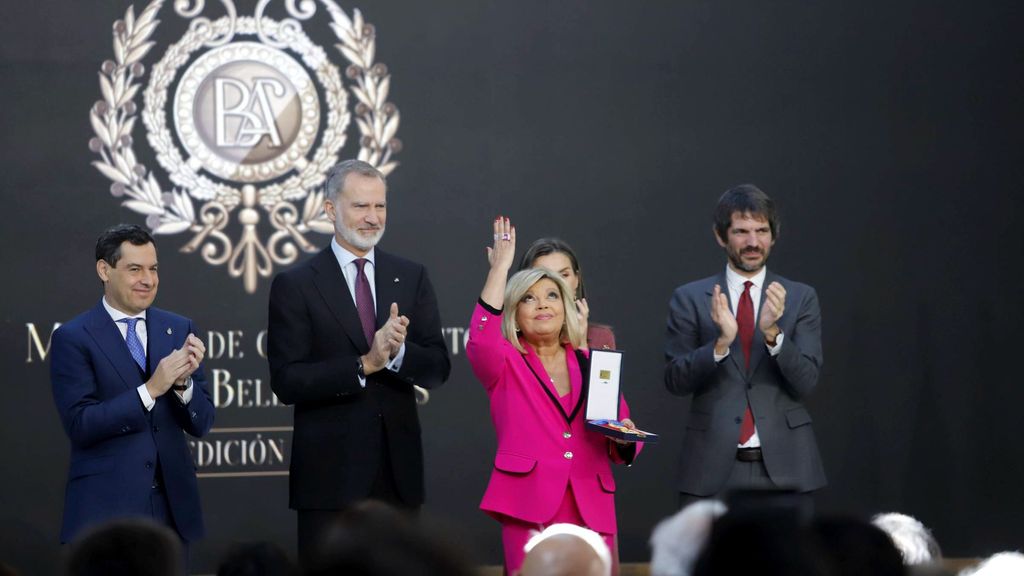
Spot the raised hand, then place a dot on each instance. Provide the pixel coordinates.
(723, 317)
(500, 256)
(503, 252)
(771, 310)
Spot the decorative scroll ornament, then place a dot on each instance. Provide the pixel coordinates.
(244, 115)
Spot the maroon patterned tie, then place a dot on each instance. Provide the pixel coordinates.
(745, 328)
(364, 301)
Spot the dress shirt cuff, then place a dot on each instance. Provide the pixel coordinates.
(147, 401)
(719, 358)
(774, 350)
(396, 363)
(186, 395)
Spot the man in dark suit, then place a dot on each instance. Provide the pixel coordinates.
(128, 384)
(351, 331)
(746, 344)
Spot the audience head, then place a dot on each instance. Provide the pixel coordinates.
(856, 547)
(1001, 564)
(915, 542)
(767, 544)
(256, 559)
(567, 550)
(529, 290)
(677, 540)
(556, 254)
(126, 548)
(373, 539)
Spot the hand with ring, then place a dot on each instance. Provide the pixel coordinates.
(503, 252)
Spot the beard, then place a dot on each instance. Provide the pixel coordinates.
(736, 258)
(358, 240)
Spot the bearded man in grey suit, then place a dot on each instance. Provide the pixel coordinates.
(746, 344)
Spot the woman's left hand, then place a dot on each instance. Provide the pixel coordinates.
(628, 424)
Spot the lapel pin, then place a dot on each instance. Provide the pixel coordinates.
(396, 279)
(168, 331)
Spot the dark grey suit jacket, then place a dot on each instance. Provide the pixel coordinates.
(314, 341)
(774, 386)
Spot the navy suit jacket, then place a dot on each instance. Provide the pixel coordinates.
(774, 386)
(115, 443)
(314, 342)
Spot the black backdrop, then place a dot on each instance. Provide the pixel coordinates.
(889, 133)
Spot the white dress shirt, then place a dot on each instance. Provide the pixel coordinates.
(734, 283)
(143, 333)
(349, 268)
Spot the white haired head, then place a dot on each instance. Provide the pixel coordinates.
(677, 540)
(1001, 564)
(566, 549)
(914, 541)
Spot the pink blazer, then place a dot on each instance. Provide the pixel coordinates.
(541, 449)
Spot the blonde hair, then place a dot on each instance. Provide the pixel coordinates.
(518, 285)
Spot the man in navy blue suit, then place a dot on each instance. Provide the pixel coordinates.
(128, 384)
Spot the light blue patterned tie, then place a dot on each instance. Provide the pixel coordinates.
(134, 344)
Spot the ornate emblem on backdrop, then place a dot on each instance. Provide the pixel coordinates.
(244, 115)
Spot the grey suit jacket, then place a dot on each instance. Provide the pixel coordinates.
(774, 386)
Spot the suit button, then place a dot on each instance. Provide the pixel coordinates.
(156, 428)
(739, 420)
(149, 465)
(566, 435)
(568, 455)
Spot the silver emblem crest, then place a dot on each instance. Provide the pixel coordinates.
(244, 116)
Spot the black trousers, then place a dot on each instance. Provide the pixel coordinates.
(314, 523)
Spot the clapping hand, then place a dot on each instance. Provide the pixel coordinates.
(723, 317)
(772, 310)
(387, 341)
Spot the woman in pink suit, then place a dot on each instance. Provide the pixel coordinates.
(531, 357)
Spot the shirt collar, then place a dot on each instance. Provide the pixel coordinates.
(345, 257)
(116, 314)
(735, 280)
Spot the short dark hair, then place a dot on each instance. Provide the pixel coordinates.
(108, 245)
(552, 245)
(745, 199)
(374, 539)
(136, 547)
(334, 183)
(256, 559)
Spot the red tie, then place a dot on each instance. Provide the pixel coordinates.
(364, 301)
(745, 327)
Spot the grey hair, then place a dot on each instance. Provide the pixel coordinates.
(915, 542)
(335, 180)
(593, 539)
(1001, 564)
(677, 540)
(518, 285)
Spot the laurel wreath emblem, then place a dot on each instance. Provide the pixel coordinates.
(172, 210)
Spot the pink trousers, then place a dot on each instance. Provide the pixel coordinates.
(515, 533)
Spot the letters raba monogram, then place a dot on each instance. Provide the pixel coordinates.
(243, 116)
